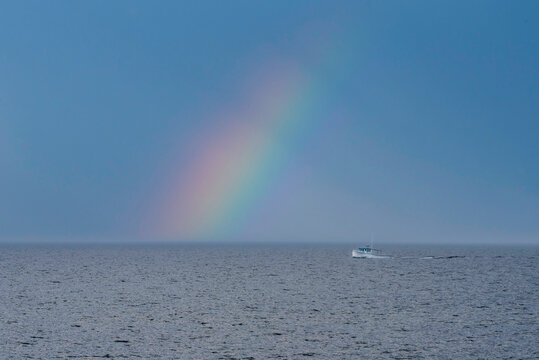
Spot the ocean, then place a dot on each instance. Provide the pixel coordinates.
(268, 302)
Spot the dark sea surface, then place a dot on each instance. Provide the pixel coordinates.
(264, 302)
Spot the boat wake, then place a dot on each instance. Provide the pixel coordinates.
(410, 257)
(430, 257)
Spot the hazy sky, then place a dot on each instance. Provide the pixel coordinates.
(269, 121)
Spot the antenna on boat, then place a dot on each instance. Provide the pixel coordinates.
(372, 241)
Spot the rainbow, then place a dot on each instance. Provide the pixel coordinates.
(233, 164)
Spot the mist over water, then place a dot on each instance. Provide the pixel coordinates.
(259, 302)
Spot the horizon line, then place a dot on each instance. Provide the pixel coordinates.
(243, 242)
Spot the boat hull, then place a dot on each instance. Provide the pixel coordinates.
(360, 254)
(363, 255)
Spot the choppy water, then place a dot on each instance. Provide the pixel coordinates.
(292, 302)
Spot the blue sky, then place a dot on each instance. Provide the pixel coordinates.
(432, 135)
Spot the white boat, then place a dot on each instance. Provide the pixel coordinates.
(366, 252)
